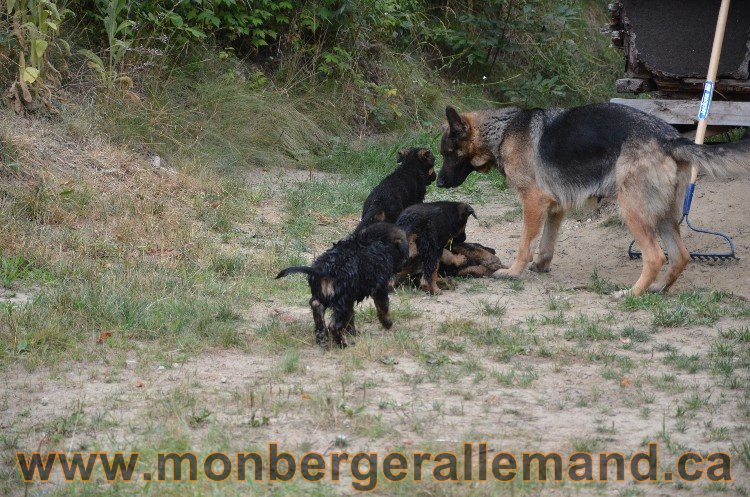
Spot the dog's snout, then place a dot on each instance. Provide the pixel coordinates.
(440, 183)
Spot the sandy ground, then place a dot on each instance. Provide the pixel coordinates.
(373, 401)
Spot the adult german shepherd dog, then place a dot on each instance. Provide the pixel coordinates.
(559, 158)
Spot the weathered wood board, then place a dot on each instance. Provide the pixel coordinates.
(685, 111)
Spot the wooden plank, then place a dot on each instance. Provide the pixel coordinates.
(728, 87)
(685, 111)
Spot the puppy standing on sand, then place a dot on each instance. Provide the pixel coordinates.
(559, 158)
(405, 186)
(429, 228)
(355, 268)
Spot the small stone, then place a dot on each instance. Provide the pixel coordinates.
(45, 401)
(161, 368)
(223, 379)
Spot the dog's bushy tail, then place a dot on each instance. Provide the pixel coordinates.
(297, 269)
(718, 161)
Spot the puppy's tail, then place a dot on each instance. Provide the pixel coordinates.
(297, 269)
(718, 161)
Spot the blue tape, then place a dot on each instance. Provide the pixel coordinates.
(708, 91)
(688, 199)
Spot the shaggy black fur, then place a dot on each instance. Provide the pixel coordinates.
(403, 187)
(355, 268)
(429, 227)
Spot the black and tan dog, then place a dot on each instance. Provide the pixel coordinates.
(468, 260)
(405, 186)
(430, 228)
(355, 268)
(559, 158)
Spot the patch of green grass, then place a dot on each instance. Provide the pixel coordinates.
(291, 362)
(695, 307)
(638, 335)
(280, 337)
(689, 363)
(17, 267)
(506, 342)
(601, 286)
(513, 377)
(586, 330)
(557, 319)
(490, 309)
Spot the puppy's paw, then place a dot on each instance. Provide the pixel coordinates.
(387, 323)
(506, 274)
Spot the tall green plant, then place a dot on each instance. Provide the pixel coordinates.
(119, 39)
(35, 27)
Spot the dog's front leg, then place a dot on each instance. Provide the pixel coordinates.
(343, 316)
(535, 204)
(552, 224)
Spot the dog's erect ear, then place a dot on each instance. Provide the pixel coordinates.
(426, 156)
(468, 211)
(458, 126)
(401, 154)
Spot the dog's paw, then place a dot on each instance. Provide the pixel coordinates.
(506, 274)
(657, 288)
(621, 294)
(387, 323)
(538, 267)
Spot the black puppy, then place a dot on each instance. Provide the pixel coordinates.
(430, 228)
(355, 268)
(403, 187)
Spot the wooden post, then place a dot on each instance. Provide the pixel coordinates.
(713, 69)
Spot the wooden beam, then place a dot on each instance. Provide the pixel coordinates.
(686, 111)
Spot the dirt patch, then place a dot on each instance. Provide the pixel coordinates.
(550, 366)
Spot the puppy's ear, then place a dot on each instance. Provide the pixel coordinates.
(426, 156)
(468, 211)
(458, 126)
(401, 154)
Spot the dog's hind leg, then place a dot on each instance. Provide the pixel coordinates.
(679, 257)
(321, 332)
(382, 306)
(645, 236)
(535, 203)
(555, 216)
(430, 252)
(351, 329)
(428, 283)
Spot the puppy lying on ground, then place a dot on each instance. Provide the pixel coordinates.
(429, 228)
(403, 187)
(463, 259)
(355, 268)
